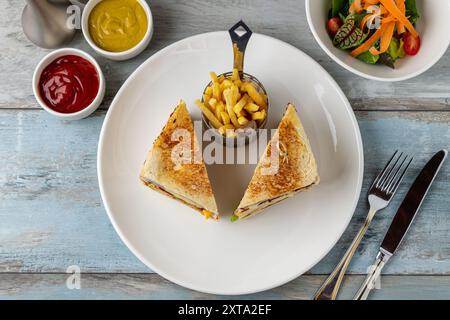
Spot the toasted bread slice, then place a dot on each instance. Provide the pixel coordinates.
(295, 170)
(182, 178)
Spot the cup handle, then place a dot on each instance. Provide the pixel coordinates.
(239, 44)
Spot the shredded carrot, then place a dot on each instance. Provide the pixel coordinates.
(388, 19)
(382, 9)
(371, 2)
(356, 7)
(369, 19)
(369, 42)
(402, 7)
(395, 11)
(365, 20)
(351, 9)
(386, 38)
(392, 15)
(369, 8)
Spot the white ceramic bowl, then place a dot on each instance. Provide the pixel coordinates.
(433, 26)
(49, 59)
(123, 55)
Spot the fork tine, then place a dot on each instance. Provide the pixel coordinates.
(395, 174)
(395, 170)
(393, 188)
(392, 177)
(383, 183)
(381, 174)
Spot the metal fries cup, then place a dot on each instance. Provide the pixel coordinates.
(243, 136)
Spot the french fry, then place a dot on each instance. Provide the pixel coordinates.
(242, 113)
(242, 121)
(265, 99)
(220, 107)
(241, 104)
(264, 116)
(236, 93)
(212, 102)
(260, 115)
(230, 100)
(209, 91)
(226, 84)
(225, 117)
(230, 103)
(235, 75)
(213, 76)
(251, 107)
(208, 114)
(254, 94)
(216, 90)
(206, 98)
(207, 105)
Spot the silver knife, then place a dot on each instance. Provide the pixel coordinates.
(402, 220)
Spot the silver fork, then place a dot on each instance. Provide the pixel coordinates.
(381, 193)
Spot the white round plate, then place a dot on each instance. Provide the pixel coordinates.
(222, 257)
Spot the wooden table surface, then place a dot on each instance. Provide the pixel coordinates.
(51, 213)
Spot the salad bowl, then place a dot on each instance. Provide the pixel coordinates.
(434, 41)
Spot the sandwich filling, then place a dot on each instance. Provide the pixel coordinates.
(174, 195)
(253, 209)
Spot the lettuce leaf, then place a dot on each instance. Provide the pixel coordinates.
(411, 11)
(337, 6)
(369, 58)
(396, 49)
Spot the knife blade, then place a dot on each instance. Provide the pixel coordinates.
(412, 202)
(402, 220)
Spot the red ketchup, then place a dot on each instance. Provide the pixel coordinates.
(69, 84)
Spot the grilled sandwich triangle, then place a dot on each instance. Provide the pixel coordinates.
(183, 177)
(276, 180)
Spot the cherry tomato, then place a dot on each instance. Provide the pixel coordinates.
(411, 44)
(333, 25)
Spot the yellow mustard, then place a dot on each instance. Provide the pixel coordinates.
(117, 25)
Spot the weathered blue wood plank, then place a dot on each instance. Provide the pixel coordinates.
(51, 215)
(50, 209)
(150, 286)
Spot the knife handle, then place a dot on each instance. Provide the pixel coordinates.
(372, 276)
(330, 288)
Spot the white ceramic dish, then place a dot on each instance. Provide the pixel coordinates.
(123, 55)
(433, 27)
(222, 257)
(52, 56)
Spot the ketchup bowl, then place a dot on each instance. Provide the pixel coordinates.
(69, 84)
